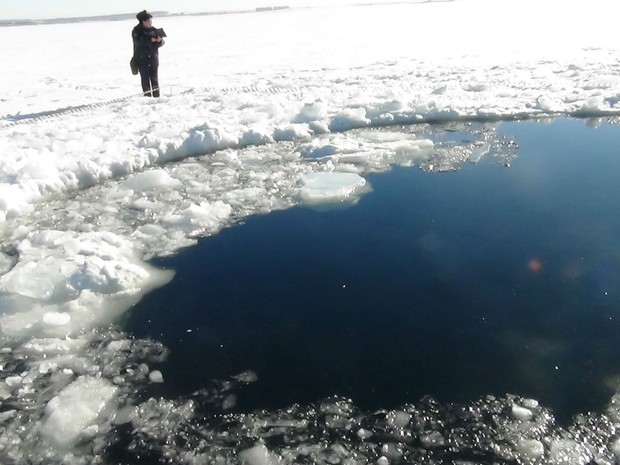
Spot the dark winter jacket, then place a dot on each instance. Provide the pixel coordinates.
(143, 48)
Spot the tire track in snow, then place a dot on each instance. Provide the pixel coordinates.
(19, 119)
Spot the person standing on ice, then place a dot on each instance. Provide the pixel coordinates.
(146, 43)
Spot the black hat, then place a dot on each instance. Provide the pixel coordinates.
(144, 15)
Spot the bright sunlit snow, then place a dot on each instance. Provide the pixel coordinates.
(95, 179)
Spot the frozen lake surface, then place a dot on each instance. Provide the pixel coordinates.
(372, 144)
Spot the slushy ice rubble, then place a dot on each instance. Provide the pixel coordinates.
(74, 389)
(87, 409)
(334, 431)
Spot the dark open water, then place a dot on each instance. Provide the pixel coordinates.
(488, 280)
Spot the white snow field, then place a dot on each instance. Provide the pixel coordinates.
(260, 112)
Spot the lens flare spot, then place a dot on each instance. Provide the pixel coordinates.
(535, 265)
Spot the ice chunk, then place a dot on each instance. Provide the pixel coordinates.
(259, 455)
(107, 276)
(14, 381)
(547, 103)
(246, 377)
(349, 119)
(292, 132)
(200, 140)
(325, 188)
(229, 402)
(592, 105)
(6, 262)
(43, 168)
(478, 152)
(254, 137)
(392, 451)
(311, 112)
(52, 346)
(530, 449)
(521, 413)
(76, 408)
(568, 452)
(144, 205)
(36, 279)
(56, 318)
(432, 439)
(615, 448)
(5, 391)
(155, 376)
(205, 216)
(399, 419)
(149, 180)
(8, 415)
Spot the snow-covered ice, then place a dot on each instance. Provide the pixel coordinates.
(259, 112)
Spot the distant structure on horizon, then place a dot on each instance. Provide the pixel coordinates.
(82, 19)
(125, 16)
(272, 8)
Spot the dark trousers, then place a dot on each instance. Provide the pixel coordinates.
(148, 76)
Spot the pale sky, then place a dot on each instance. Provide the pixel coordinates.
(45, 9)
